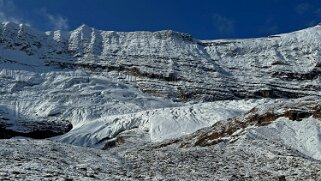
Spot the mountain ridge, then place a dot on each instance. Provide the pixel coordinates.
(169, 55)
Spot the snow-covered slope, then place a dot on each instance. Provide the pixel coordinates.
(103, 81)
(303, 136)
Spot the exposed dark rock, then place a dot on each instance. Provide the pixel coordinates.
(37, 131)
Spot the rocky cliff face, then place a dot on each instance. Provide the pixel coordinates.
(176, 66)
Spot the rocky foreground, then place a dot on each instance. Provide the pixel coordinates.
(277, 141)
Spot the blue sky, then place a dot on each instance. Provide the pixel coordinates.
(204, 19)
